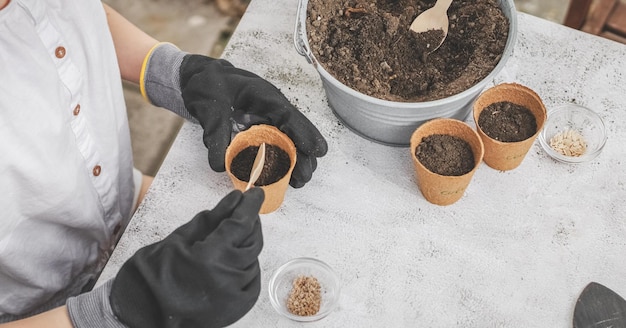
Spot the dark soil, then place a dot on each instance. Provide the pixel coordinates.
(367, 45)
(445, 155)
(277, 163)
(427, 41)
(507, 122)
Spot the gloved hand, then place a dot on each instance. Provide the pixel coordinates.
(225, 99)
(204, 274)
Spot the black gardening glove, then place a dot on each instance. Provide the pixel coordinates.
(225, 99)
(204, 274)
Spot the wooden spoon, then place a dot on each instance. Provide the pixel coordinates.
(435, 18)
(257, 166)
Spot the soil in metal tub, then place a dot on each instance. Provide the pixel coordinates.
(367, 45)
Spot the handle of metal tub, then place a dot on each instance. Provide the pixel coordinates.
(299, 34)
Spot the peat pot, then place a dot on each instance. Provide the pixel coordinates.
(445, 189)
(255, 136)
(389, 122)
(506, 156)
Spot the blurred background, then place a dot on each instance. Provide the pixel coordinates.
(204, 27)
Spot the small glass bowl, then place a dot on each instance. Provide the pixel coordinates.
(580, 119)
(281, 284)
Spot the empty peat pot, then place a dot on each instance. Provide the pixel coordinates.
(437, 188)
(501, 155)
(393, 122)
(250, 139)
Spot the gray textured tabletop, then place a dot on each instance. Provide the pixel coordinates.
(514, 251)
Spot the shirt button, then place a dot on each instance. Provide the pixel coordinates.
(96, 170)
(76, 110)
(59, 52)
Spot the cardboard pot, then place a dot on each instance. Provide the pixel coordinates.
(255, 136)
(442, 189)
(506, 156)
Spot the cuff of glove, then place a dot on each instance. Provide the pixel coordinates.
(160, 78)
(93, 310)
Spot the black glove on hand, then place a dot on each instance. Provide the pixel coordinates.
(204, 274)
(225, 99)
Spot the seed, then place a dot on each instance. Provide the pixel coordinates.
(305, 296)
(569, 143)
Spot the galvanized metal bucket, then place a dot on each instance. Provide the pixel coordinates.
(389, 122)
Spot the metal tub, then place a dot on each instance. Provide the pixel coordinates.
(389, 122)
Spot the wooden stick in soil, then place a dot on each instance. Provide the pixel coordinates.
(257, 167)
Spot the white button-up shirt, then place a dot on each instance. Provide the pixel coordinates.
(66, 184)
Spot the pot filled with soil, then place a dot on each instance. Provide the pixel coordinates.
(508, 118)
(280, 159)
(379, 81)
(446, 153)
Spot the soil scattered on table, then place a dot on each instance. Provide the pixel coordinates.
(367, 45)
(445, 154)
(507, 122)
(277, 163)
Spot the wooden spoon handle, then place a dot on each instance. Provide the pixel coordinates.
(257, 167)
(443, 5)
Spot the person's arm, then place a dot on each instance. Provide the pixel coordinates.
(131, 44)
(55, 318)
(218, 250)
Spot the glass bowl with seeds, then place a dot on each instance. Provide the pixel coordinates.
(304, 289)
(573, 134)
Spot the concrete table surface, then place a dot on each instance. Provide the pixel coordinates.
(514, 251)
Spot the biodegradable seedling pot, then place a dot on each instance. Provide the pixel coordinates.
(442, 189)
(255, 136)
(506, 156)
